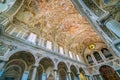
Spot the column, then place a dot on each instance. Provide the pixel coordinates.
(42, 42)
(34, 73)
(44, 76)
(93, 58)
(22, 37)
(25, 75)
(2, 64)
(55, 74)
(118, 74)
(66, 52)
(12, 31)
(102, 56)
(100, 77)
(78, 76)
(69, 75)
(1, 28)
(55, 47)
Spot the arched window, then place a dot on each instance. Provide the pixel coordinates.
(32, 37)
(106, 53)
(97, 56)
(89, 58)
(61, 50)
(49, 45)
(70, 53)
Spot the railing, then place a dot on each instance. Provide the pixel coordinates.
(114, 63)
(41, 48)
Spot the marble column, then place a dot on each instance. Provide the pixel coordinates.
(78, 76)
(93, 58)
(25, 75)
(55, 74)
(102, 56)
(2, 64)
(69, 75)
(34, 73)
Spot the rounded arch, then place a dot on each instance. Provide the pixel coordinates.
(62, 65)
(26, 56)
(89, 59)
(62, 70)
(13, 67)
(46, 62)
(74, 72)
(11, 53)
(82, 74)
(108, 73)
(106, 52)
(97, 56)
(64, 62)
(16, 60)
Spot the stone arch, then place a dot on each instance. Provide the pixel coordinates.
(106, 53)
(48, 59)
(14, 69)
(62, 70)
(48, 66)
(16, 60)
(82, 74)
(108, 73)
(97, 56)
(11, 53)
(26, 56)
(74, 72)
(62, 61)
(51, 59)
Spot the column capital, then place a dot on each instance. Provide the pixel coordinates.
(36, 65)
(55, 69)
(78, 73)
(68, 72)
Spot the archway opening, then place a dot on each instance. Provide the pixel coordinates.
(108, 73)
(47, 66)
(73, 73)
(62, 71)
(16, 65)
(82, 74)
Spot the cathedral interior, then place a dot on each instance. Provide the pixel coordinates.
(59, 39)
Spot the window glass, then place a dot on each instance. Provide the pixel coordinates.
(70, 53)
(32, 37)
(106, 53)
(49, 45)
(61, 50)
(97, 56)
(89, 58)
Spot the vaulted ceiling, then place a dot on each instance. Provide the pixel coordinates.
(59, 22)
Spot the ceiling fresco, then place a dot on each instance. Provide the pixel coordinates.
(59, 22)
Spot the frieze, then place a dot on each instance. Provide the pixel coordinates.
(12, 47)
(3, 48)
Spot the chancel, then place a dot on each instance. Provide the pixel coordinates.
(59, 39)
